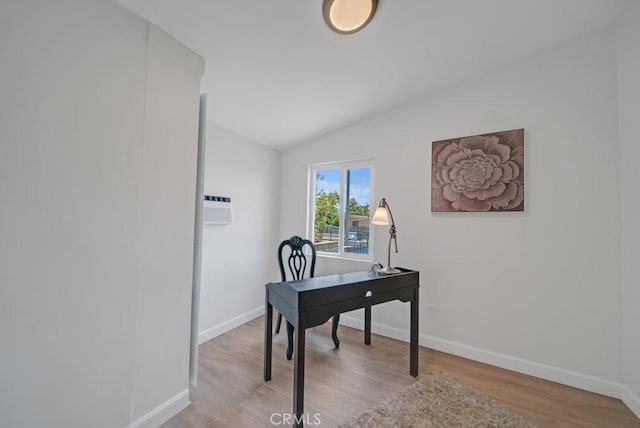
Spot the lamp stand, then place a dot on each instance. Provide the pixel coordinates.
(392, 237)
(384, 217)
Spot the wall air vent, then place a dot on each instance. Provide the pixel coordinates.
(217, 210)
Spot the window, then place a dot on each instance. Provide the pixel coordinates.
(340, 208)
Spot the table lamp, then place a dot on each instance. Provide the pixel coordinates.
(383, 217)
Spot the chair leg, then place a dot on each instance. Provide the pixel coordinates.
(334, 330)
(278, 323)
(289, 340)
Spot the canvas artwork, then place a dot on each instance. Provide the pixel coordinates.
(478, 173)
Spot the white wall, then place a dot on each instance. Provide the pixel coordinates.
(166, 213)
(238, 259)
(95, 273)
(629, 111)
(536, 291)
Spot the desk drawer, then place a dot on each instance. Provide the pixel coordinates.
(320, 314)
(361, 290)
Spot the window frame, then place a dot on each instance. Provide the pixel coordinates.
(342, 166)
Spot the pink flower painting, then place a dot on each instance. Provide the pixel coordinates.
(478, 173)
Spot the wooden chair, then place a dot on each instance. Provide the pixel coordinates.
(297, 264)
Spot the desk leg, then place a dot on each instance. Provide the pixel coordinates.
(298, 373)
(367, 325)
(413, 353)
(268, 338)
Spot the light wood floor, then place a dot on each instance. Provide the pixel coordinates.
(343, 383)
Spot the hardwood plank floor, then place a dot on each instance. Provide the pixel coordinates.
(343, 383)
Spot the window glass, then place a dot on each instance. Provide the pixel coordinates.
(340, 208)
(358, 193)
(326, 229)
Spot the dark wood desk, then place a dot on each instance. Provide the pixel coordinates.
(311, 302)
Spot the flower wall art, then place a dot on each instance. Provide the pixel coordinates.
(478, 173)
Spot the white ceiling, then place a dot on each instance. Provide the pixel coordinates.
(278, 76)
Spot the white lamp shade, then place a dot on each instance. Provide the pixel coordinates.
(380, 217)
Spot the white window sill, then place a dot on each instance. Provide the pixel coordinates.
(343, 257)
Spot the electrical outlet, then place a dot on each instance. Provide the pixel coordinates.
(431, 312)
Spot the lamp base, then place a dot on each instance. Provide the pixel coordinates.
(388, 271)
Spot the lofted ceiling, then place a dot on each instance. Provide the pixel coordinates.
(277, 75)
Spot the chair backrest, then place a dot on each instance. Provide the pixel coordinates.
(297, 260)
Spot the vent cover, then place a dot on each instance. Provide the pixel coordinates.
(216, 210)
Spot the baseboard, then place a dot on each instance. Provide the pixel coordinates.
(554, 374)
(520, 365)
(631, 400)
(224, 327)
(164, 412)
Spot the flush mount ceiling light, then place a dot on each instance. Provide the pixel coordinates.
(348, 16)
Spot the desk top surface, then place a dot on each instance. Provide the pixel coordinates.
(341, 279)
